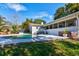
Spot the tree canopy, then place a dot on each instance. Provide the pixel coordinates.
(25, 25)
(66, 10)
(2, 21)
(39, 21)
(59, 12)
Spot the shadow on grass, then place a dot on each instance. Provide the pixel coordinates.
(52, 48)
(70, 44)
(29, 49)
(39, 49)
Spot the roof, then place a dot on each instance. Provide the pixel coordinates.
(70, 16)
(33, 24)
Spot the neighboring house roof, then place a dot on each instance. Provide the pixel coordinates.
(33, 24)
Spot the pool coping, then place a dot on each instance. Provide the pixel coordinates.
(13, 35)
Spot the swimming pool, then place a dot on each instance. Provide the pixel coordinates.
(15, 39)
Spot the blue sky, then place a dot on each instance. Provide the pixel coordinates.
(44, 11)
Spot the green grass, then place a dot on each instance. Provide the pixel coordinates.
(50, 48)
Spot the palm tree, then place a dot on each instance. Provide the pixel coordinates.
(15, 24)
(2, 21)
(14, 29)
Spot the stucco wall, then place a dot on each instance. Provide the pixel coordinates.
(56, 31)
(30, 28)
(35, 29)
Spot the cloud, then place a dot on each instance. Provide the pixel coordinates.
(17, 7)
(40, 15)
(50, 16)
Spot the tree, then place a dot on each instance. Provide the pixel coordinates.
(2, 22)
(72, 7)
(15, 29)
(59, 12)
(25, 25)
(39, 21)
(15, 25)
(66, 10)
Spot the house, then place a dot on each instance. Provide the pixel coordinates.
(34, 28)
(69, 22)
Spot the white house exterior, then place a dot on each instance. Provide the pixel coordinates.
(69, 22)
(34, 28)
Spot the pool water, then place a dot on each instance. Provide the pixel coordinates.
(15, 39)
(18, 37)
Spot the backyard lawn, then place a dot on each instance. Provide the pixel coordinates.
(50, 48)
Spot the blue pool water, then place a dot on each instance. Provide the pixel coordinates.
(21, 39)
(18, 37)
(15, 39)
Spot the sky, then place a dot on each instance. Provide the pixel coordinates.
(43, 11)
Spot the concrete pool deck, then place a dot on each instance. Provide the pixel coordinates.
(52, 36)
